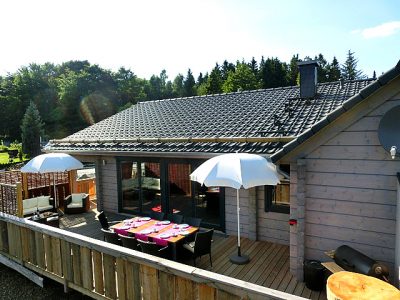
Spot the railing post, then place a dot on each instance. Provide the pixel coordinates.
(20, 207)
(25, 185)
(72, 181)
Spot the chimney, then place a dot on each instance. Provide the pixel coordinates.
(308, 78)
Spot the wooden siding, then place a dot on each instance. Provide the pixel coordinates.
(351, 192)
(270, 226)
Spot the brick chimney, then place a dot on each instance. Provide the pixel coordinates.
(308, 78)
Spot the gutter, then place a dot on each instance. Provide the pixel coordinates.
(267, 139)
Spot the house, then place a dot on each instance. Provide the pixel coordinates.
(340, 185)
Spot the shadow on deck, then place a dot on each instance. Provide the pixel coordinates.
(269, 264)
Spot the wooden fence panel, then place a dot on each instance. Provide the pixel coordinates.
(48, 253)
(149, 278)
(66, 263)
(25, 244)
(184, 288)
(167, 286)
(32, 247)
(109, 276)
(133, 279)
(76, 264)
(39, 246)
(87, 268)
(121, 279)
(3, 237)
(206, 292)
(56, 256)
(98, 272)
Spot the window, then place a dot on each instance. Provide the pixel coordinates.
(277, 198)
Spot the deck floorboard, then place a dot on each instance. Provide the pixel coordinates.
(268, 266)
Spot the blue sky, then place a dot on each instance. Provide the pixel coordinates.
(148, 36)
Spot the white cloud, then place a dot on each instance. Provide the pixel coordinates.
(383, 30)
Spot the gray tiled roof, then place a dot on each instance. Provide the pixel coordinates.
(270, 112)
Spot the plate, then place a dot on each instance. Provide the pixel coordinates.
(144, 219)
(166, 222)
(184, 233)
(146, 231)
(183, 226)
(125, 227)
(165, 236)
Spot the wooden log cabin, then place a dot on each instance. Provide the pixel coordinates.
(339, 183)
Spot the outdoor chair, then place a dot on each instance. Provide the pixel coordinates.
(76, 203)
(129, 242)
(153, 248)
(195, 222)
(111, 237)
(175, 218)
(157, 215)
(105, 224)
(201, 245)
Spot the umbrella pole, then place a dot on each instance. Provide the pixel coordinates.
(238, 220)
(239, 259)
(54, 187)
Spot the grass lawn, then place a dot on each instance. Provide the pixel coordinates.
(4, 159)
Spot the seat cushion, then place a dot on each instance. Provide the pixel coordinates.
(47, 207)
(74, 205)
(189, 247)
(30, 203)
(76, 199)
(43, 201)
(28, 211)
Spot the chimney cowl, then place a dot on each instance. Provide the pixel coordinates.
(308, 78)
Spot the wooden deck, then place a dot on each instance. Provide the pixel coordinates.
(269, 264)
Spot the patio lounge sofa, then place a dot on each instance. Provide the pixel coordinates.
(31, 205)
(76, 203)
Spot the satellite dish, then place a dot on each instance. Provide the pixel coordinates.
(389, 129)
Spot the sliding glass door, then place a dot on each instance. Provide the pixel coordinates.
(164, 185)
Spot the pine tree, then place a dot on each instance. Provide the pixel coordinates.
(334, 73)
(31, 130)
(215, 81)
(322, 69)
(349, 68)
(293, 70)
(189, 85)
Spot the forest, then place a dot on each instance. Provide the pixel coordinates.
(72, 95)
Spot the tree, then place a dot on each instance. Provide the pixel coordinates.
(242, 78)
(189, 85)
(214, 81)
(31, 130)
(322, 69)
(334, 70)
(293, 70)
(273, 73)
(349, 68)
(177, 86)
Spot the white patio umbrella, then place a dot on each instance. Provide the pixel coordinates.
(51, 163)
(237, 170)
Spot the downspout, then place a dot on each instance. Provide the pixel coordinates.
(397, 236)
(99, 185)
(257, 213)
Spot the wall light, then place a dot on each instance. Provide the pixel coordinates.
(393, 152)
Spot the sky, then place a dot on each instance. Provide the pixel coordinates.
(175, 35)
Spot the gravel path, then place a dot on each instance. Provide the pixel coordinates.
(15, 286)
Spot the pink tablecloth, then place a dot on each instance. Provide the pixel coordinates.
(123, 230)
(154, 228)
(171, 232)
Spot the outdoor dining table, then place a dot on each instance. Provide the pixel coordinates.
(162, 233)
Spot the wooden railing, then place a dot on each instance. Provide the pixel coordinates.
(105, 271)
